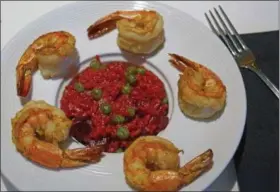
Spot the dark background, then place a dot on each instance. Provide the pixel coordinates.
(257, 158)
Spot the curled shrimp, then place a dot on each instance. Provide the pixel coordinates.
(53, 53)
(140, 31)
(38, 129)
(151, 163)
(201, 92)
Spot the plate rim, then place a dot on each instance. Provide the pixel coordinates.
(154, 4)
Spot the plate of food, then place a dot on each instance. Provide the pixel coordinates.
(118, 96)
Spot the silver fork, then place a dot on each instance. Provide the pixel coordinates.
(241, 53)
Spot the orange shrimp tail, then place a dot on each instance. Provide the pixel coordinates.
(177, 65)
(82, 156)
(24, 80)
(50, 156)
(108, 22)
(90, 154)
(26, 66)
(181, 62)
(68, 163)
(197, 166)
(103, 25)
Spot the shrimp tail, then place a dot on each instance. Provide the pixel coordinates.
(104, 25)
(24, 80)
(24, 72)
(109, 22)
(51, 156)
(82, 156)
(196, 167)
(177, 65)
(181, 62)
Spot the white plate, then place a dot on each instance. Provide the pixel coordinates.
(185, 36)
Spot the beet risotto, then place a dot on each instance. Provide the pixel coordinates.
(115, 103)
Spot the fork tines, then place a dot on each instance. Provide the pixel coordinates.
(234, 41)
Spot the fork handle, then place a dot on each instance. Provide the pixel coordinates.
(265, 79)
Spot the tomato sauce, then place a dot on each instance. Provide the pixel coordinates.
(115, 102)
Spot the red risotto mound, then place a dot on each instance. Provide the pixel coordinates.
(114, 104)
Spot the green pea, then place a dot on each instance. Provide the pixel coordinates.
(79, 87)
(165, 100)
(126, 89)
(131, 111)
(118, 119)
(120, 150)
(131, 79)
(141, 70)
(105, 108)
(95, 64)
(122, 132)
(131, 70)
(96, 93)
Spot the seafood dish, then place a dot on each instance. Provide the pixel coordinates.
(53, 53)
(201, 92)
(140, 32)
(151, 163)
(116, 102)
(38, 129)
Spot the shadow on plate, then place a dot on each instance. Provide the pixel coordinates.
(215, 117)
(72, 68)
(9, 186)
(225, 181)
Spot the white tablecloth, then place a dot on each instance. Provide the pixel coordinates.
(247, 16)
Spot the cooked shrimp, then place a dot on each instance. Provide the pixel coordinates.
(151, 163)
(140, 31)
(201, 92)
(37, 131)
(52, 53)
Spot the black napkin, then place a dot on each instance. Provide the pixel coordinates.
(257, 158)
